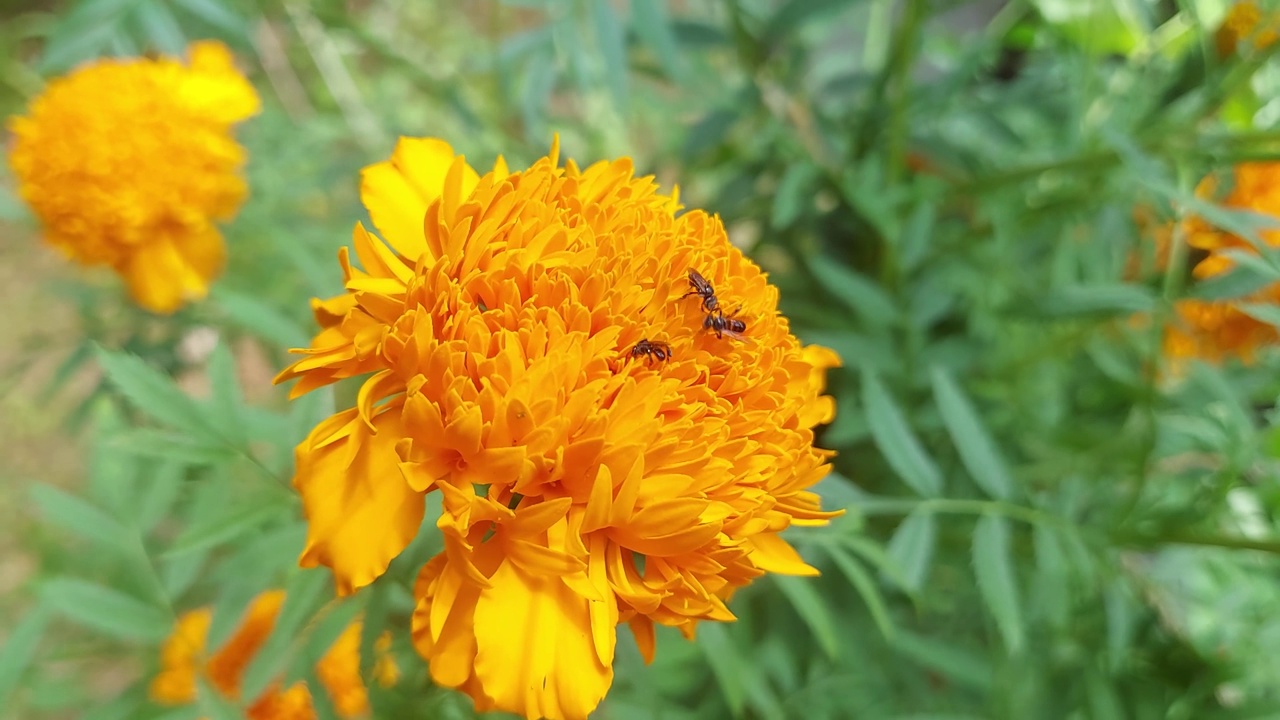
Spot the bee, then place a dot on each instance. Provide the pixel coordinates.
(702, 288)
(651, 350)
(723, 325)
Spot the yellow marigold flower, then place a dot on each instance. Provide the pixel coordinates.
(1218, 330)
(1245, 21)
(584, 482)
(184, 657)
(129, 163)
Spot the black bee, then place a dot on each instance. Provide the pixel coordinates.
(702, 288)
(722, 325)
(652, 349)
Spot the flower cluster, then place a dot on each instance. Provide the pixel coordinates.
(185, 658)
(129, 163)
(1221, 329)
(584, 483)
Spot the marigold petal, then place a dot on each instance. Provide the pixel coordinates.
(773, 554)
(535, 652)
(360, 510)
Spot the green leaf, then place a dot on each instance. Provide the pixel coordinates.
(965, 667)
(865, 298)
(79, 517)
(84, 32)
(808, 604)
(911, 548)
(612, 38)
(107, 610)
(157, 495)
(1078, 300)
(21, 641)
(727, 664)
(227, 402)
(1238, 283)
(977, 451)
(166, 445)
(161, 28)
(305, 592)
(259, 318)
(794, 194)
(227, 526)
(649, 17)
(993, 565)
(152, 392)
(1262, 312)
(213, 705)
(216, 14)
(895, 439)
(791, 16)
(861, 580)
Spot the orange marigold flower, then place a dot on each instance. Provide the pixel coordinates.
(184, 657)
(1246, 22)
(128, 163)
(584, 482)
(1219, 329)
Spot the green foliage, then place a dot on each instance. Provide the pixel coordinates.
(1042, 519)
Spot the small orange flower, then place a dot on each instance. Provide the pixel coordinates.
(583, 483)
(129, 163)
(184, 657)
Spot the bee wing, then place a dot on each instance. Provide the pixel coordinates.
(738, 336)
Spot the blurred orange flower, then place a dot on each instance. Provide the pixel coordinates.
(585, 483)
(1217, 330)
(1246, 22)
(185, 657)
(128, 163)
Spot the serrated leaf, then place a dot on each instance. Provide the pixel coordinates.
(259, 318)
(861, 580)
(794, 193)
(808, 604)
(157, 494)
(654, 28)
(107, 610)
(1238, 283)
(227, 402)
(213, 705)
(612, 38)
(895, 439)
(80, 517)
(864, 297)
(965, 667)
(304, 594)
(911, 548)
(793, 15)
(152, 392)
(977, 451)
(21, 641)
(225, 527)
(993, 566)
(82, 33)
(1096, 299)
(161, 28)
(1052, 576)
(1262, 312)
(214, 13)
(166, 445)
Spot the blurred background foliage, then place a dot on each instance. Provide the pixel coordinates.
(1042, 521)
